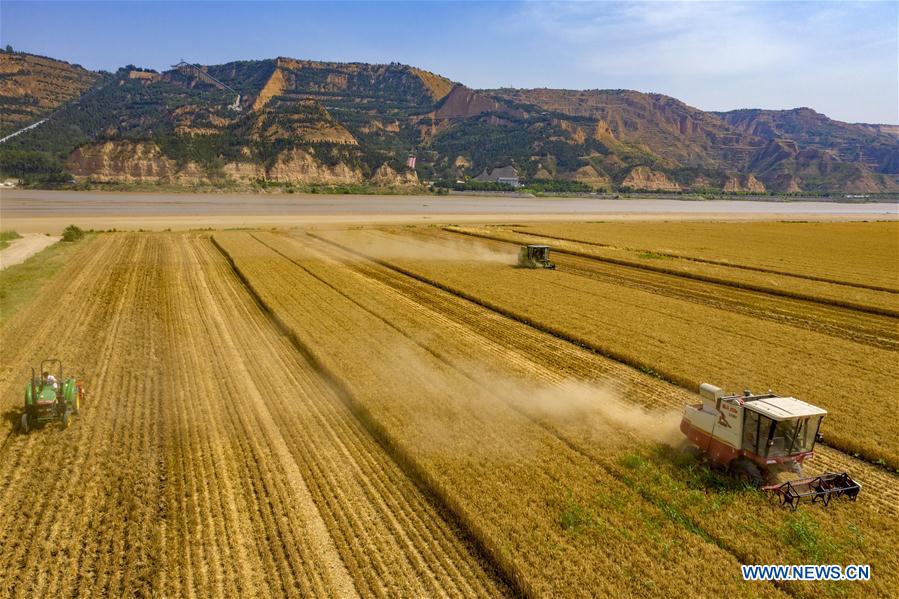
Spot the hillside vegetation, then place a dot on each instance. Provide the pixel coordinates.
(296, 122)
(31, 87)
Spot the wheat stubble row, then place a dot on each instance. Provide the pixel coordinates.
(209, 459)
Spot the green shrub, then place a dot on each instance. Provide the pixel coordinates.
(72, 233)
(6, 237)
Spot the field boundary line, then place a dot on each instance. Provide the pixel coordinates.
(444, 505)
(705, 278)
(717, 263)
(575, 340)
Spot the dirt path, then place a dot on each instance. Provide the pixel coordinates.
(20, 250)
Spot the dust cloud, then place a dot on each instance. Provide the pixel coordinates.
(385, 246)
(466, 396)
(593, 411)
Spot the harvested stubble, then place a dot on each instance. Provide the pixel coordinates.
(489, 351)
(680, 340)
(210, 460)
(871, 299)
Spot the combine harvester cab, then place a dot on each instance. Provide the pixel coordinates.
(46, 401)
(534, 256)
(757, 437)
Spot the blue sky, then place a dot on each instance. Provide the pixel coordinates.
(838, 58)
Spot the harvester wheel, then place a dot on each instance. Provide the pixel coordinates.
(747, 471)
(76, 405)
(23, 424)
(694, 452)
(65, 419)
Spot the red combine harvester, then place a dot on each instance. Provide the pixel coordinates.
(757, 438)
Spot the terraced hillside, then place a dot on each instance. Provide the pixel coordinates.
(33, 86)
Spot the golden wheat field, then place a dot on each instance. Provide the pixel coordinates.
(402, 412)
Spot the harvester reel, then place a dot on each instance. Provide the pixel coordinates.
(823, 488)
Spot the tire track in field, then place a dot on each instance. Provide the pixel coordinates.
(255, 497)
(318, 536)
(207, 461)
(564, 357)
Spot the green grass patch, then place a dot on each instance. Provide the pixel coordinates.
(574, 516)
(19, 283)
(802, 532)
(652, 256)
(6, 237)
(632, 461)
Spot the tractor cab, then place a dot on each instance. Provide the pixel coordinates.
(534, 256)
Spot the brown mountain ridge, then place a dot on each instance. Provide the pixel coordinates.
(323, 123)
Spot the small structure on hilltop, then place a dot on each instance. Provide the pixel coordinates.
(146, 76)
(506, 174)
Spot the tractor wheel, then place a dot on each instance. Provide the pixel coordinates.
(747, 472)
(23, 424)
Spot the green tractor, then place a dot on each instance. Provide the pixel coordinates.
(49, 397)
